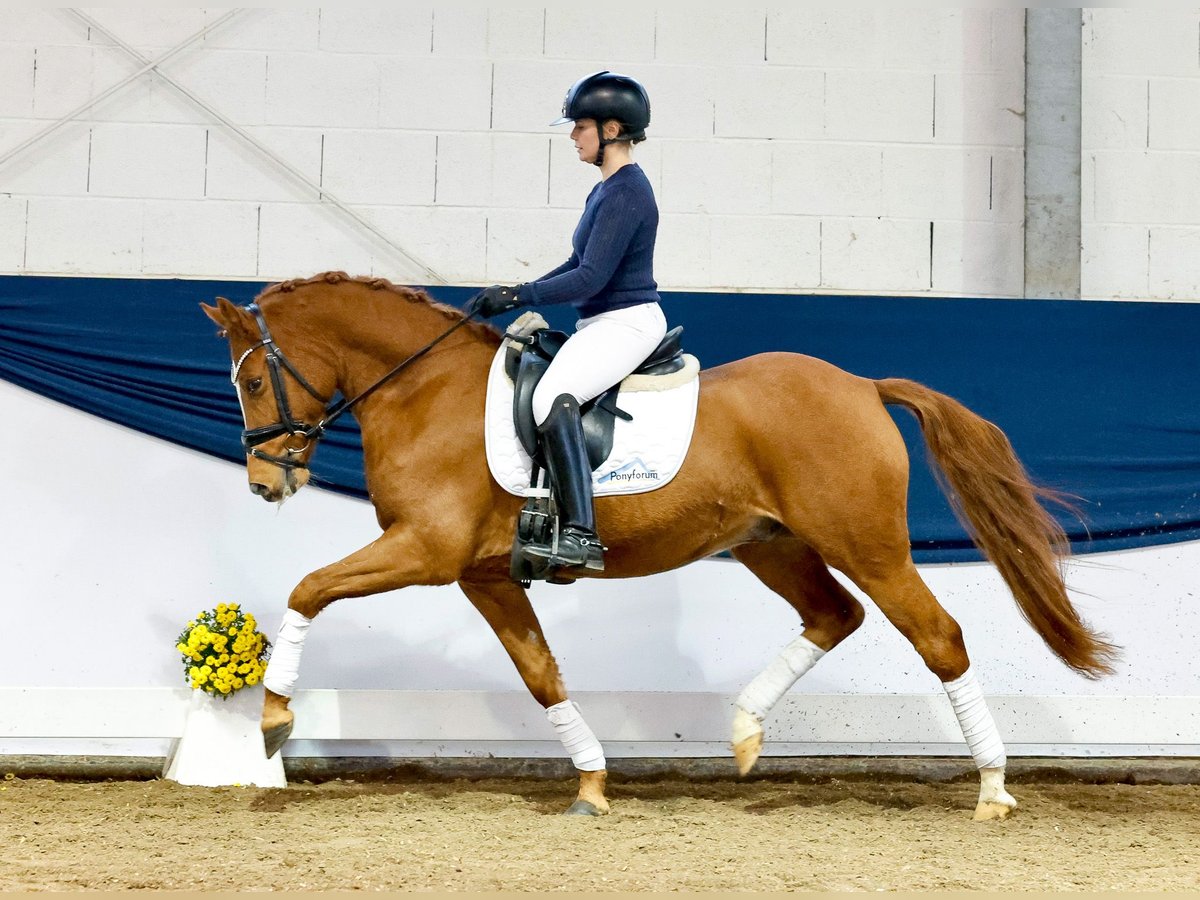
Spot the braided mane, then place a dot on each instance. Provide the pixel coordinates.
(409, 294)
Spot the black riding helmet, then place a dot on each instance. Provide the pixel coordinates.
(606, 95)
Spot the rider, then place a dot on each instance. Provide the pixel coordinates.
(609, 278)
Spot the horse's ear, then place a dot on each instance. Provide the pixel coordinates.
(227, 316)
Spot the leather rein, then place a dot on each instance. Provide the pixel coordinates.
(289, 425)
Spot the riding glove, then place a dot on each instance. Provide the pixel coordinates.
(497, 299)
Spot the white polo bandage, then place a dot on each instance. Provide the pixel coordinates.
(978, 727)
(577, 739)
(284, 666)
(761, 694)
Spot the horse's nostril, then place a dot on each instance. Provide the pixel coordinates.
(261, 489)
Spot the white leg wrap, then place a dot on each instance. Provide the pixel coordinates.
(284, 666)
(978, 727)
(761, 694)
(577, 739)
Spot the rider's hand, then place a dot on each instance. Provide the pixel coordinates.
(497, 299)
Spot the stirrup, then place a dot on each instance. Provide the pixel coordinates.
(575, 550)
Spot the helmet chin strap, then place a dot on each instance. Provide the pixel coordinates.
(604, 142)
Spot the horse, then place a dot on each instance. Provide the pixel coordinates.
(795, 467)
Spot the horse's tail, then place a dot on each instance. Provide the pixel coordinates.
(998, 503)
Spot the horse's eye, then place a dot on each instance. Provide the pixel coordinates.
(254, 385)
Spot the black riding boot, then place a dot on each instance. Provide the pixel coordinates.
(563, 446)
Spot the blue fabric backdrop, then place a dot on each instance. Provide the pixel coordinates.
(1098, 398)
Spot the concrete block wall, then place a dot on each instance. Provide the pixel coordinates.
(1141, 154)
(857, 150)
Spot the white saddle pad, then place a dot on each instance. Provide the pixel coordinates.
(646, 453)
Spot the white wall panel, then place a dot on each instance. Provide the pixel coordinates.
(27, 25)
(939, 38)
(1115, 112)
(379, 167)
(721, 178)
(984, 257)
(460, 31)
(467, 94)
(281, 28)
(64, 79)
(152, 161)
(935, 182)
(827, 179)
(17, 64)
(518, 32)
(875, 254)
(879, 106)
(76, 235)
(234, 82)
(775, 103)
(58, 165)
(683, 100)
(447, 94)
(13, 213)
(524, 244)
(682, 253)
(1115, 261)
(1174, 104)
(974, 108)
(237, 171)
(325, 90)
(295, 240)
(1147, 187)
(450, 240)
(404, 30)
(825, 38)
(577, 31)
(221, 236)
(145, 28)
(733, 36)
(1175, 263)
(1141, 41)
(778, 252)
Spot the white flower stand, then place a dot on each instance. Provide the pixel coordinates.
(222, 744)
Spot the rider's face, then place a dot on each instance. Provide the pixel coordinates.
(587, 139)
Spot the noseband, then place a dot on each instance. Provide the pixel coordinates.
(288, 424)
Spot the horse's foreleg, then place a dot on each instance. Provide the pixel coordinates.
(506, 607)
(829, 612)
(385, 564)
(909, 604)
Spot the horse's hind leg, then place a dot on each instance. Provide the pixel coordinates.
(904, 598)
(829, 613)
(506, 607)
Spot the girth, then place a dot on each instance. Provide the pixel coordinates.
(529, 357)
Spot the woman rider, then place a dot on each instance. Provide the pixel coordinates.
(609, 278)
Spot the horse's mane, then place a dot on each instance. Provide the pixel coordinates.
(409, 294)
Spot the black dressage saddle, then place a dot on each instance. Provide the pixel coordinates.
(526, 362)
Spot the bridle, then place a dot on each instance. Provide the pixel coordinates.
(288, 424)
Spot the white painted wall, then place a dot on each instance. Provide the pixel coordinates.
(1141, 153)
(857, 150)
(121, 539)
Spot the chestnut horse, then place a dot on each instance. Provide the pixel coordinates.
(795, 466)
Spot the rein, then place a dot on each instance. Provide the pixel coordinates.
(290, 426)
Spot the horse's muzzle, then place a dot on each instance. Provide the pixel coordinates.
(263, 491)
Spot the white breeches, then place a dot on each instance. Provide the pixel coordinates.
(602, 351)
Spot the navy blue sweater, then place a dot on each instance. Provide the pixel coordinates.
(612, 265)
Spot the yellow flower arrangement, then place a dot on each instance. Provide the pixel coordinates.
(223, 651)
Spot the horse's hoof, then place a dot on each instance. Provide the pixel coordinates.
(989, 809)
(746, 752)
(583, 808)
(273, 738)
